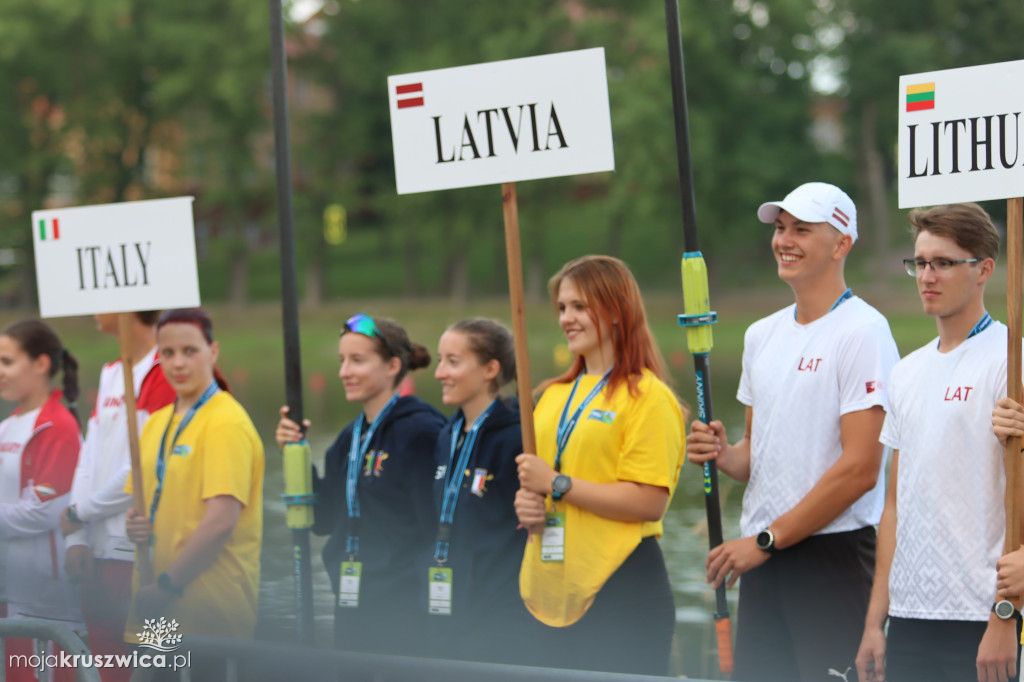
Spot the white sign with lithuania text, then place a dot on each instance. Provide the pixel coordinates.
(114, 258)
(960, 135)
(485, 124)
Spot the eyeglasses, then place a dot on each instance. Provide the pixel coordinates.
(916, 266)
(361, 323)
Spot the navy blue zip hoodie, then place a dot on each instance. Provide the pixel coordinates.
(394, 528)
(488, 620)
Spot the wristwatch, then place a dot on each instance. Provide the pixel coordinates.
(163, 581)
(1004, 609)
(766, 541)
(560, 486)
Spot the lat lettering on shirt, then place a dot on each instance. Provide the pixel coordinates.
(114, 401)
(10, 447)
(808, 364)
(603, 416)
(957, 393)
(439, 473)
(872, 386)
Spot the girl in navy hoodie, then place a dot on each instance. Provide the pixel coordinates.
(477, 550)
(374, 499)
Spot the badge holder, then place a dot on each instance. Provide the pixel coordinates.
(552, 541)
(348, 589)
(439, 580)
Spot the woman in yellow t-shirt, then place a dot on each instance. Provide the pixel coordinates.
(610, 441)
(202, 479)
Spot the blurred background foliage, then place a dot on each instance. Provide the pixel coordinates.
(129, 99)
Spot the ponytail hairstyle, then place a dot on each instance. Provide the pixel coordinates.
(198, 318)
(390, 340)
(36, 338)
(613, 301)
(490, 340)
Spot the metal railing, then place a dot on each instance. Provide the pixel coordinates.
(238, 660)
(255, 661)
(61, 635)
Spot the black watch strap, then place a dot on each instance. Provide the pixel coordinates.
(163, 581)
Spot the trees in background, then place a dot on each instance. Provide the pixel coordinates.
(128, 99)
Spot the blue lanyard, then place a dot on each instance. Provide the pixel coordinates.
(356, 452)
(565, 428)
(161, 456)
(983, 324)
(843, 298)
(456, 472)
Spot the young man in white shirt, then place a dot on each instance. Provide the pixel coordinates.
(99, 555)
(814, 384)
(943, 525)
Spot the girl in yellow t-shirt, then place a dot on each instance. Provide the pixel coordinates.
(202, 482)
(610, 441)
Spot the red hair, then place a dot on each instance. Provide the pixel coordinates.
(613, 301)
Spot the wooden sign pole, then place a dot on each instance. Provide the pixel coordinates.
(518, 300)
(143, 562)
(1014, 389)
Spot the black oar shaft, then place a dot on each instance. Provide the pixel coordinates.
(289, 294)
(695, 279)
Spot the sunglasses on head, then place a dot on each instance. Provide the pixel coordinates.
(361, 323)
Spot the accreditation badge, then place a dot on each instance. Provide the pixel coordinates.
(552, 542)
(439, 582)
(348, 588)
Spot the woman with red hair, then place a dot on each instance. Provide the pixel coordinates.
(610, 441)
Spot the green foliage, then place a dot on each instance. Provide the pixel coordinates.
(130, 99)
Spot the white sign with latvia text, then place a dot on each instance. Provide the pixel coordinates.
(114, 258)
(960, 135)
(485, 124)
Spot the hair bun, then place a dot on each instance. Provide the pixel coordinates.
(419, 356)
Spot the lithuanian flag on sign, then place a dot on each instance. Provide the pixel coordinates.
(920, 96)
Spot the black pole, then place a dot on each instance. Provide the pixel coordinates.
(289, 297)
(695, 278)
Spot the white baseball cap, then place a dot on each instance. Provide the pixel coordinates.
(815, 202)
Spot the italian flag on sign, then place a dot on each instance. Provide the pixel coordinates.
(49, 230)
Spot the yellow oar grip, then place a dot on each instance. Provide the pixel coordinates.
(698, 317)
(298, 486)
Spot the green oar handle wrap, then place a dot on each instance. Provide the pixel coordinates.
(298, 486)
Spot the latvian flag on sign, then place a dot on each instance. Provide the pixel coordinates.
(921, 97)
(49, 230)
(410, 95)
(840, 217)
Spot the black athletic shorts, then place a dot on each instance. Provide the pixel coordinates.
(920, 650)
(801, 613)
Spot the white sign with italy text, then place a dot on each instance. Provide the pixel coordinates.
(960, 135)
(520, 119)
(113, 258)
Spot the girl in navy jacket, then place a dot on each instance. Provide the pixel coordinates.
(374, 499)
(475, 484)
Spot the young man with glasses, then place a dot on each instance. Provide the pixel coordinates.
(943, 526)
(814, 383)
